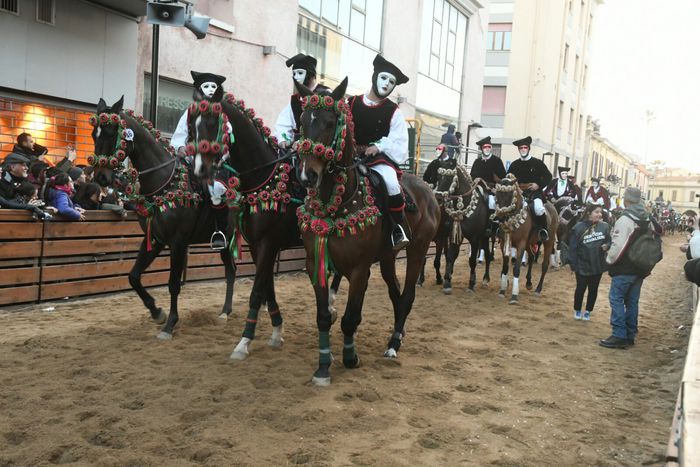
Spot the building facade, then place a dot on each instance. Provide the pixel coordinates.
(59, 59)
(679, 187)
(536, 78)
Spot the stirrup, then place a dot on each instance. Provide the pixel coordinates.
(217, 241)
(401, 241)
(543, 234)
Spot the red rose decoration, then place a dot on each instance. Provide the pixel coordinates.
(306, 218)
(314, 100)
(93, 120)
(91, 159)
(330, 154)
(319, 149)
(281, 186)
(216, 148)
(157, 135)
(241, 103)
(170, 196)
(352, 220)
(179, 193)
(188, 196)
(258, 122)
(203, 106)
(230, 98)
(320, 227)
(182, 185)
(115, 119)
(305, 145)
(361, 216)
(252, 199)
(340, 189)
(332, 209)
(340, 224)
(369, 200)
(337, 200)
(192, 108)
(315, 205)
(284, 177)
(266, 131)
(190, 149)
(204, 147)
(133, 173)
(328, 101)
(122, 144)
(304, 102)
(233, 182)
(104, 118)
(103, 161)
(114, 163)
(159, 201)
(129, 190)
(264, 195)
(225, 138)
(216, 108)
(276, 195)
(286, 198)
(121, 155)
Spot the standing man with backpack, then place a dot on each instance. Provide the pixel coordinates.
(634, 251)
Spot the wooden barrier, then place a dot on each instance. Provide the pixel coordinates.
(42, 261)
(684, 442)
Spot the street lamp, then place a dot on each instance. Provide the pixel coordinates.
(469, 129)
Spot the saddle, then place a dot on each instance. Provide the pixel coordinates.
(381, 194)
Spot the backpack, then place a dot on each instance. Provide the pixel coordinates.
(645, 249)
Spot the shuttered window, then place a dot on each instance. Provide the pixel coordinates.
(45, 11)
(10, 6)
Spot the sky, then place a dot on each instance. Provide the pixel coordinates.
(645, 56)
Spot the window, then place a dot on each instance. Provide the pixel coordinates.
(692, 196)
(10, 6)
(443, 41)
(571, 120)
(494, 100)
(584, 80)
(590, 23)
(576, 67)
(576, 169)
(498, 37)
(582, 14)
(674, 194)
(561, 114)
(173, 99)
(661, 194)
(46, 11)
(571, 6)
(580, 126)
(360, 20)
(566, 57)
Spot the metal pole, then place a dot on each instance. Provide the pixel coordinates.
(154, 75)
(466, 149)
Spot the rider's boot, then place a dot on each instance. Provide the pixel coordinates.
(398, 235)
(218, 238)
(541, 223)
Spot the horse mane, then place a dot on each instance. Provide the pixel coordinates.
(257, 122)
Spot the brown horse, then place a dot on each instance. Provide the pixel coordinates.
(343, 229)
(518, 231)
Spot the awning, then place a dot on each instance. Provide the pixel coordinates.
(133, 8)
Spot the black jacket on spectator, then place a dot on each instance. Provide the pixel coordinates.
(531, 170)
(449, 139)
(487, 168)
(64, 164)
(586, 256)
(8, 194)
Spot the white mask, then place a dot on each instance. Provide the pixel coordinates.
(299, 75)
(594, 184)
(209, 88)
(487, 153)
(386, 82)
(438, 153)
(524, 153)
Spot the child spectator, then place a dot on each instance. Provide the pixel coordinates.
(27, 194)
(91, 196)
(37, 173)
(60, 192)
(588, 242)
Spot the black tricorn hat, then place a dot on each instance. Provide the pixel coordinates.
(561, 169)
(382, 64)
(486, 140)
(595, 179)
(306, 62)
(201, 78)
(527, 141)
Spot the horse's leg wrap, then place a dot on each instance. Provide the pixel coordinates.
(275, 317)
(395, 342)
(250, 322)
(350, 358)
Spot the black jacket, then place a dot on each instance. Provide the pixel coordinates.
(585, 255)
(486, 169)
(531, 171)
(8, 194)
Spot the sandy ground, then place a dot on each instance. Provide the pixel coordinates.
(477, 381)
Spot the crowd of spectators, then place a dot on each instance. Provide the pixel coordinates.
(29, 181)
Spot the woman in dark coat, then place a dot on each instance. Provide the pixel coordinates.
(588, 242)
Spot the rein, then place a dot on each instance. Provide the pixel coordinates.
(513, 219)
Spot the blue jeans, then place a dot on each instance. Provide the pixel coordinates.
(624, 305)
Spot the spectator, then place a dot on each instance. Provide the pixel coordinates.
(27, 193)
(626, 284)
(78, 178)
(588, 242)
(458, 135)
(91, 197)
(692, 248)
(60, 192)
(89, 171)
(27, 147)
(450, 140)
(14, 173)
(37, 173)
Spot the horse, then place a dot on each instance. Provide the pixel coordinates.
(259, 181)
(171, 212)
(518, 229)
(344, 230)
(466, 205)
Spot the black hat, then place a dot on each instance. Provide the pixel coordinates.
(14, 158)
(486, 140)
(527, 141)
(381, 64)
(201, 78)
(75, 173)
(595, 179)
(561, 169)
(306, 62)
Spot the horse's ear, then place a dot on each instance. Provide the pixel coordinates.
(117, 106)
(339, 92)
(197, 95)
(303, 90)
(101, 106)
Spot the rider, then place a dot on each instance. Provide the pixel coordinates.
(431, 172)
(532, 177)
(211, 89)
(289, 120)
(489, 170)
(380, 129)
(597, 194)
(562, 186)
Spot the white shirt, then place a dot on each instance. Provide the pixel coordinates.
(285, 125)
(600, 201)
(694, 244)
(395, 145)
(179, 139)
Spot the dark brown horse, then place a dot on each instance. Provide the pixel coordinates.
(518, 230)
(343, 229)
(466, 206)
(173, 216)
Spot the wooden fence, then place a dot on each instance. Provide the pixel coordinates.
(42, 261)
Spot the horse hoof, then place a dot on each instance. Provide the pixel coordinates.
(390, 353)
(352, 363)
(447, 291)
(321, 381)
(160, 319)
(223, 317)
(238, 355)
(419, 284)
(484, 285)
(438, 281)
(275, 343)
(528, 286)
(538, 293)
(470, 290)
(164, 336)
(501, 295)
